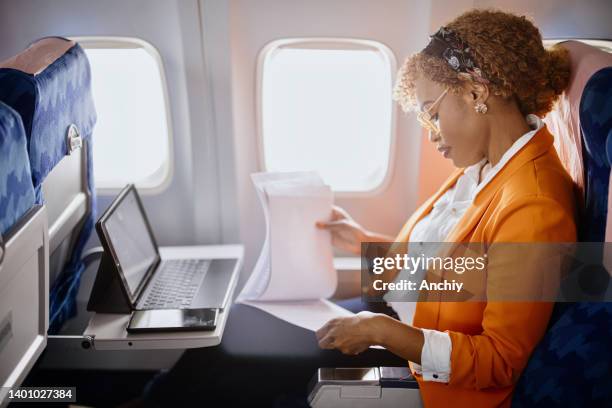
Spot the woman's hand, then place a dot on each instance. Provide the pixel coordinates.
(346, 233)
(351, 335)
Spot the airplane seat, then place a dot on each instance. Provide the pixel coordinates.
(23, 259)
(17, 195)
(49, 85)
(571, 365)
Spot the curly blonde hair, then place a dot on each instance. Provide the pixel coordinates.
(509, 51)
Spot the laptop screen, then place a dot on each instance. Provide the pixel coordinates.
(128, 234)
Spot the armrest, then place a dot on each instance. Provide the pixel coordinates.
(24, 305)
(364, 387)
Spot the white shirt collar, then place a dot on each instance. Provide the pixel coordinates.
(473, 171)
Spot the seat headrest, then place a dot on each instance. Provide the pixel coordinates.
(16, 190)
(596, 116)
(596, 123)
(575, 142)
(49, 85)
(39, 55)
(564, 120)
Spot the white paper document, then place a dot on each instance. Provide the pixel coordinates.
(308, 314)
(294, 273)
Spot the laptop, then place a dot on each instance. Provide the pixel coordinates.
(149, 281)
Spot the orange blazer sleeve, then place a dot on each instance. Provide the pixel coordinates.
(511, 330)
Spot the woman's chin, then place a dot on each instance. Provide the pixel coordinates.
(457, 163)
(462, 162)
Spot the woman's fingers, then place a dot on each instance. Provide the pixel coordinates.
(332, 336)
(325, 339)
(344, 345)
(322, 331)
(337, 214)
(327, 343)
(332, 225)
(325, 335)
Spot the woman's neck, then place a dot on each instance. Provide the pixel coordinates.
(504, 130)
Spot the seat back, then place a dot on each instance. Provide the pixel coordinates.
(49, 85)
(24, 259)
(571, 365)
(16, 190)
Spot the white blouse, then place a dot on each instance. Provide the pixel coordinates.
(446, 213)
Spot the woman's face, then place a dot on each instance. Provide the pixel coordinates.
(463, 131)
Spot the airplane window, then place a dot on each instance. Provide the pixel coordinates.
(327, 106)
(131, 140)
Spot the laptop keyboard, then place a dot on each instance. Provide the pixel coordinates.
(177, 284)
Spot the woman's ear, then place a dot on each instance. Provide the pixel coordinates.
(479, 93)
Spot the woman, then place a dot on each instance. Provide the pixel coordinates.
(480, 87)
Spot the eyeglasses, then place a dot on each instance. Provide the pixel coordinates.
(425, 119)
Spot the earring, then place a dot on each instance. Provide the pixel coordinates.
(481, 108)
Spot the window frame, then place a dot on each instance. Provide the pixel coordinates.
(118, 42)
(330, 43)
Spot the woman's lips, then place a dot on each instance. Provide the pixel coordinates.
(445, 150)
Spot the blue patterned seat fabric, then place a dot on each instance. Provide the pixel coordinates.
(572, 366)
(16, 190)
(596, 124)
(48, 103)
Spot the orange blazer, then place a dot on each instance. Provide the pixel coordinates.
(530, 200)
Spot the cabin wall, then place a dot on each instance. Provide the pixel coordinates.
(562, 18)
(555, 18)
(399, 24)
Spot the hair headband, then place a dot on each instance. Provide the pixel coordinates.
(447, 45)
